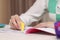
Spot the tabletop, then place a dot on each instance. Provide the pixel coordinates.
(14, 35)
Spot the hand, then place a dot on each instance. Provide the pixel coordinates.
(15, 22)
(45, 24)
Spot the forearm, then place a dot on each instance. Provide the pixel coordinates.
(34, 13)
(49, 24)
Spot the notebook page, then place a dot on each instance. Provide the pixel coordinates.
(49, 30)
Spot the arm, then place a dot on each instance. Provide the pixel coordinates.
(34, 13)
(45, 25)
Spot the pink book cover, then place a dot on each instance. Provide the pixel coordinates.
(30, 30)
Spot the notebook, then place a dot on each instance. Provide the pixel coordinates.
(30, 30)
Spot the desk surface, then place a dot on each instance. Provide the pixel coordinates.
(22, 36)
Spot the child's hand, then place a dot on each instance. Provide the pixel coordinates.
(45, 24)
(14, 22)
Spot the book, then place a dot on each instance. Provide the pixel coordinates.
(30, 30)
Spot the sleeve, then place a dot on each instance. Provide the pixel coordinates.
(34, 13)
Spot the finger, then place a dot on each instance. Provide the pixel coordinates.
(13, 21)
(12, 26)
(17, 20)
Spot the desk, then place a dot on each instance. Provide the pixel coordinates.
(22, 36)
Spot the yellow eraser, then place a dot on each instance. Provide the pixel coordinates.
(22, 26)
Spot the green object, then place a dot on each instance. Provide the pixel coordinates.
(58, 17)
(52, 6)
(2, 25)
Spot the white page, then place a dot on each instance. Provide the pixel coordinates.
(7, 29)
(49, 30)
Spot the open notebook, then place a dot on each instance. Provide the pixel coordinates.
(28, 30)
(38, 30)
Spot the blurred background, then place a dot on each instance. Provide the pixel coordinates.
(12, 7)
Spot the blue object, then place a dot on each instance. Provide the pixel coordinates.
(2, 25)
(57, 29)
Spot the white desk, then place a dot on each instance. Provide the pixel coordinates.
(22, 36)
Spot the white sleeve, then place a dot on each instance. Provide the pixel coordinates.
(34, 13)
